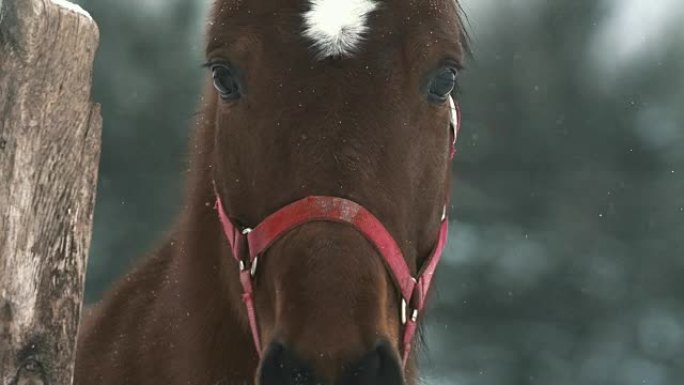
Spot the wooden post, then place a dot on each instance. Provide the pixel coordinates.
(49, 152)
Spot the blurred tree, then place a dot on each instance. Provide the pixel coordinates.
(147, 77)
(566, 251)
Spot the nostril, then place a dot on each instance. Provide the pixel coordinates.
(378, 367)
(282, 367)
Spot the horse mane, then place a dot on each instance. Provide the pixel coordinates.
(462, 18)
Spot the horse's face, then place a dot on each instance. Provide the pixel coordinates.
(340, 98)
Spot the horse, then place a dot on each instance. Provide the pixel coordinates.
(316, 204)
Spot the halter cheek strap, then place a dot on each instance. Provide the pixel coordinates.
(248, 244)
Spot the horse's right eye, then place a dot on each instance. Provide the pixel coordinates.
(225, 82)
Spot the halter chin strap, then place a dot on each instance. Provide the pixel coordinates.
(247, 245)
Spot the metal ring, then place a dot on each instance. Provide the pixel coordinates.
(246, 231)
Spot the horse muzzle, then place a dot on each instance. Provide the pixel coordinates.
(380, 366)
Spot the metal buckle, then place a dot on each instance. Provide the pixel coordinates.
(253, 269)
(403, 311)
(244, 265)
(444, 213)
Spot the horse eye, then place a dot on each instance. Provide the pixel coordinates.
(225, 82)
(442, 84)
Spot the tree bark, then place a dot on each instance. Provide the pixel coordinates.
(49, 153)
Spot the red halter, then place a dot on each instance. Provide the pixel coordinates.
(248, 244)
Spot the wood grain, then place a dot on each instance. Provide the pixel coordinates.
(49, 152)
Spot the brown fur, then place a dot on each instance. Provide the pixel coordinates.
(358, 128)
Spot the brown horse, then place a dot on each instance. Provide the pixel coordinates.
(328, 118)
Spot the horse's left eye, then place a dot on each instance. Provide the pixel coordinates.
(441, 85)
(225, 82)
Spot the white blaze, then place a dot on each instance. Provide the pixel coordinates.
(337, 27)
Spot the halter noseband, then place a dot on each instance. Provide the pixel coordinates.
(248, 244)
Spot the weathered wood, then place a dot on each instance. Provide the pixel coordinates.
(49, 151)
